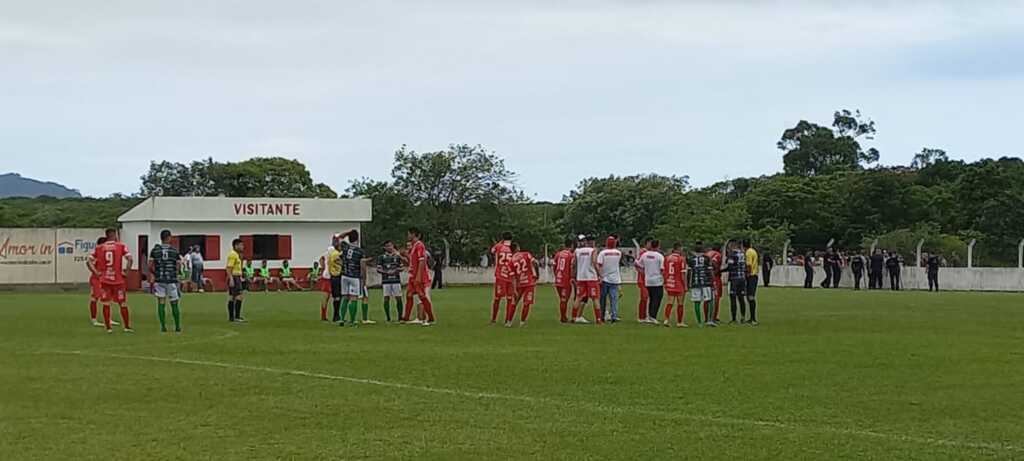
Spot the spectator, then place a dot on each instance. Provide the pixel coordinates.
(766, 268)
(196, 258)
(857, 264)
(809, 270)
(438, 256)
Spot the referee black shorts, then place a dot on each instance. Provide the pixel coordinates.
(752, 286)
(236, 287)
(336, 286)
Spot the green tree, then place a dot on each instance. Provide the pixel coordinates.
(928, 157)
(813, 149)
(256, 177)
(629, 206)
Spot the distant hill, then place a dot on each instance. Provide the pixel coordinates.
(14, 185)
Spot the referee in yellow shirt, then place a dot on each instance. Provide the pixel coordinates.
(234, 276)
(753, 266)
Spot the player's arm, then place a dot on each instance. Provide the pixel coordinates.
(90, 262)
(151, 268)
(536, 269)
(128, 262)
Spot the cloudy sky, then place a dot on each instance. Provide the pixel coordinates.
(92, 91)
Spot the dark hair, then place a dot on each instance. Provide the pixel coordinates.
(386, 242)
(514, 246)
(353, 236)
(506, 235)
(165, 234)
(110, 233)
(698, 247)
(569, 242)
(655, 243)
(415, 231)
(677, 245)
(101, 240)
(746, 243)
(235, 242)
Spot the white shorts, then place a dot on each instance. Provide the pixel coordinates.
(392, 289)
(167, 290)
(351, 287)
(701, 294)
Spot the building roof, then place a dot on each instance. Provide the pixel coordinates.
(253, 209)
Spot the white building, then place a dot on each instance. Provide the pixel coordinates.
(298, 230)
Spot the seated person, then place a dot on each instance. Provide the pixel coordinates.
(287, 280)
(248, 275)
(262, 277)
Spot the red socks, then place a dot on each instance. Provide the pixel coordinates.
(718, 302)
(494, 310)
(323, 312)
(526, 313)
(125, 320)
(680, 314)
(510, 311)
(668, 312)
(106, 315)
(563, 307)
(428, 309)
(597, 315)
(408, 307)
(92, 310)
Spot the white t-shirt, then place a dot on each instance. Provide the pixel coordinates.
(584, 265)
(652, 263)
(327, 263)
(609, 260)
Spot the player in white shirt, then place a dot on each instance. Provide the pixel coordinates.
(587, 286)
(611, 278)
(653, 265)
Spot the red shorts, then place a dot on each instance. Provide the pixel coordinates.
(588, 289)
(503, 289)
(416, 288)
(527, 294)
(96, 290)
(676, 291)
(113, 293)
(564, 292)
(643, 292)
(324, 285)
(717, 283)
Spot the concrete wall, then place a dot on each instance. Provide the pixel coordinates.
(45, 256)
(915, 278)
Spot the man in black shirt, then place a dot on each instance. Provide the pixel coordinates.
(809, 270)
(933, 262)
(736, 266)
(857, 266)
(827, 265)
(767, 263)
(438, 257)
(892, 264)
(875, 272)
(837, 268)
(164, 263)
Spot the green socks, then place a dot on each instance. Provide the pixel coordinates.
(353, 307)
(387, 308)
(697, 313)
(399, 310)
(177, 316)
(366, 311)
(162, 314)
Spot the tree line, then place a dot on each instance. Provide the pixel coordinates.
(831, 188)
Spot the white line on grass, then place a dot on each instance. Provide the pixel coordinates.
(585, 405)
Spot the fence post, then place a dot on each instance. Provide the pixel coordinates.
(919, 245)
(785, 253)
(874, 244)
(829, 244)
(970, 253)
(1020, 255)
(447, 253)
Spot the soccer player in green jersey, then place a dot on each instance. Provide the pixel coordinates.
(389, 266)
(164, 262)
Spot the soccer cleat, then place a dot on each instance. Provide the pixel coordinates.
(508, 324)
(341, 324)
(96, 323)
(682, 325)
(522, 324)
(114, 323)
(427, 324)
(163, 330)
(580, 320)
(753, 323)
(665, 323)
(240, 320)
(414, 322)
(110, 330)
(732, 322)
(712, 324)
(129, 330)
(369, 322)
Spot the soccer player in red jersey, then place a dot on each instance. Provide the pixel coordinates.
(675, 285)
(641, 283)
(588, 284)
(419, 278)
(525, 274)
(96, 290)
(503, 288)
(564, 279)
(113, 260)
(716, 270)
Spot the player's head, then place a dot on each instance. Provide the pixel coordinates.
(284, 263)
(389, 246)
(611, 242)
(237, 244)
(101, 241)
(353, 236)
(514, 246)
(506, 236)
(264, 263)
(165, 236)
(415, 234)
(655, 244)
(647, 243)
(568, 243)
(698, 246)
(746, 243)
(677, 247)
(111, 234)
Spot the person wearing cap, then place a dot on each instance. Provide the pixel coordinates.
(607, 264)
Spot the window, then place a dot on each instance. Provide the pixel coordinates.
(209, 245)
(269, 246)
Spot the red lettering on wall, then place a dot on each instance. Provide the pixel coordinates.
(267, 209)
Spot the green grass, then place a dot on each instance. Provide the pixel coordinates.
(827, 375)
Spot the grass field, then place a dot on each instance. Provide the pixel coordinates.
(827, 375)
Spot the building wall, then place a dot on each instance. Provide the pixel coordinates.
(915, 278)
